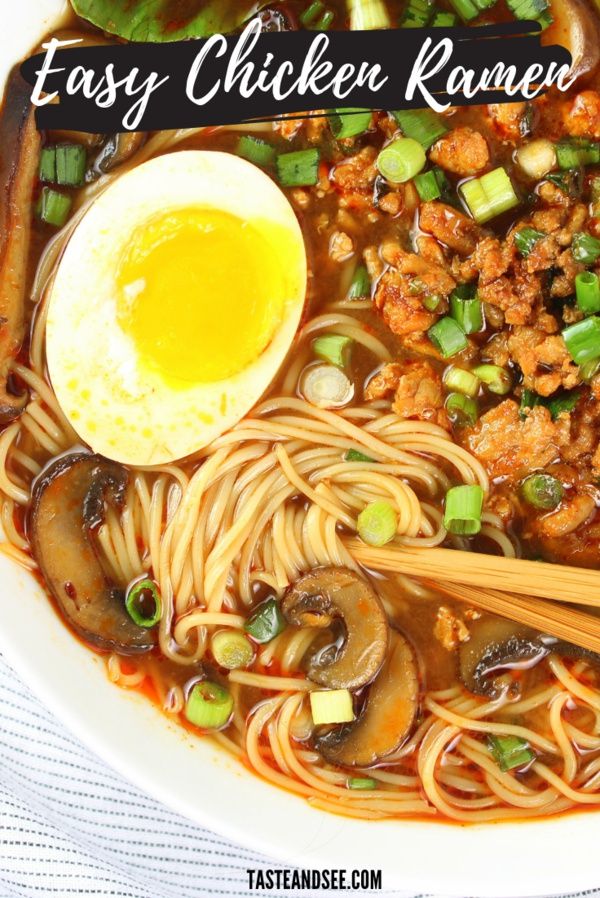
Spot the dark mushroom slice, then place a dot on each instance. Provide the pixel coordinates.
(116, 150)
(388, 715)
(67, 504)
(327, 594)
(575, 27)
(496, 644)
(19, 160)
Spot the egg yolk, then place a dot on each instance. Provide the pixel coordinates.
(201, 293)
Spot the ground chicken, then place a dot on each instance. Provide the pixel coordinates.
(449, 226)
(492, 259)
(431, 278)
(581, 116)
(496, 350)
(418, 391)
(510, 446)
(358, 172)
(515, 295)
(383, 384)
(449, 629)
(571, 513)
(402, 310)
(584, 430)
(341, 246)
(392, 203)
(543, 254)
(462, 151)
(288, 127)
(544, 360)
(431, 251)
(509, 119)
(316, 126)
(566, 270)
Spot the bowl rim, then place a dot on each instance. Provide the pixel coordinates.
(63, 674)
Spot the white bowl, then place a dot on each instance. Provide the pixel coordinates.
(209, 787)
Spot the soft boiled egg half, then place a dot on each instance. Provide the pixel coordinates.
(174, 304)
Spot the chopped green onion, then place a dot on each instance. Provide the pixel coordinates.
(266, 622)
(585, 248)
(482, 5)
(545, 19)
(48, 165)
(510, 751)
(565, 402)
(298, 169)
(401, 160)
(431, 302)
(567, 156)
(256, 150)
(332, 348)
(377, 523)
(54, 207)
(416, 285)
(498, 380)
(423, 125)
(417, 14)
(462, 410)
(367, 15)
(587, 291)
(361, 782)
(349, 122)
(443, 19)
(331, 706)
(529, 399)
(324, 22)
(526, 239)
(583, 339)
(572, 153)
(361, 284)
(465, 308)
(311, 13)
(567, 181)
(490, 195)
(466, 9)
(208, 705)
(462, 512)
(447, 336)
(461, 381)
(71, 161)
(326, 386)
(542, 491)
(143, 603)
(431, 184)
(527, 9)
(355, 455)
(595, 189)
(231, 649)
(590, 369)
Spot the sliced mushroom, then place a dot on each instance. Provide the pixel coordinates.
(329, 593)
(495, 644)
(388, 715)
(19, 159)
(67, 503)
(117, 149)
(575, 27)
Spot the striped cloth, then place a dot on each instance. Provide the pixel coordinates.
(69, 825)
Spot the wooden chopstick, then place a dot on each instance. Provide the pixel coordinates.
(556, 582)
(552, 618)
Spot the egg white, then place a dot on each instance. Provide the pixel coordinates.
(116, 405)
